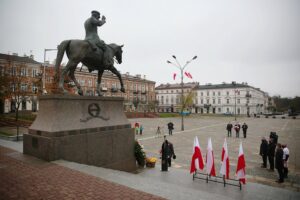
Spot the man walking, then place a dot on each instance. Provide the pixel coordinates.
(170, 127)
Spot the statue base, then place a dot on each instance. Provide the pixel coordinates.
(88, 130)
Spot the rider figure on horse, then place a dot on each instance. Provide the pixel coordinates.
(91, 35)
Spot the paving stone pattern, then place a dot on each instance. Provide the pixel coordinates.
(25, 177)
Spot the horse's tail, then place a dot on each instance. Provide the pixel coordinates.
(60, 54)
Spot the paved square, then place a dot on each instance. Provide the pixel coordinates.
(215, 127)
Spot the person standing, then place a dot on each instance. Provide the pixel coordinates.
(245, 127)
(237, 127)
(165, 151)
(279, 162)
(171, 153)
(158, 132)
(286, 155)
(271, 153)
(229, 129)
(136, 128)
(264, 151)
(141, 129)
(170, 127)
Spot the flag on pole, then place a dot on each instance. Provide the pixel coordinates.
(188, 75)
(225, 161)
(174, 76)
(197, 159)
(241, 166)
(210, 163)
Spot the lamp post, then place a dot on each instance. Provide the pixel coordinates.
(44, 69)
(234, 84)
(181, 68)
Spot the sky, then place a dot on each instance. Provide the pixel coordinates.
(253, 41)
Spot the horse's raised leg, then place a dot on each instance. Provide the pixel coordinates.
(100, 73)
(72, 76)
(116, 72)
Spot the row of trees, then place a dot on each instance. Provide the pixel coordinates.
(287, 104)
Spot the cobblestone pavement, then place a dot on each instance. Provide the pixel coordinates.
(25, 177)
(214, 127)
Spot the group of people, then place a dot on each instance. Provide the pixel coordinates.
(170, 129)
(270, 150)
(138, 128)
(237, 128)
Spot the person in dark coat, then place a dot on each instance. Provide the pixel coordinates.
(264, 151)
(165, 151)
(229, 129)
(245, 127)
(279, 162)
(271, 153)
(170, 127)
(171, 153)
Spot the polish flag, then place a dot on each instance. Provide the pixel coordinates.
(210, 163)
(174, 76)
(190, 75)
(197, 160)
(225, 161)
(241, 166)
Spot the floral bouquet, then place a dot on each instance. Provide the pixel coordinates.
(150, 162)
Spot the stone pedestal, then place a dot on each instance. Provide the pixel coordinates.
(89, 130)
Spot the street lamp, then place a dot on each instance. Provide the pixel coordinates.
(181, 68)
(44, 69)
(234, 84)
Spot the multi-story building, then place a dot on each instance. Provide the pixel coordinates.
(140, 92)
(228, 98)
(22, 75)
(168, 96)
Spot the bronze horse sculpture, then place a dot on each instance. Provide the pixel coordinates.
(81, 51)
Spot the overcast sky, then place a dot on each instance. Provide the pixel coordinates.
(254, 41)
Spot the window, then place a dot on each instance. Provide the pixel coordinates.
(207, 101)
(219, 101)
(167, 100)
(219, 110)
(23, 87)
(35, 73)
(238, 101)
(162, 99)
(201, 93)
(248, 101)
(23, 72)
(227, 110)
(34, 88)
(207, 93)
(214, 94)
(219, 93)
(201, 101)
(227, 101)
(227, 93)
(214, 101)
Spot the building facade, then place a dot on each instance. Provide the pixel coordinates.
(21, 75)
(168, 96)
(225, 98)
(139, 95)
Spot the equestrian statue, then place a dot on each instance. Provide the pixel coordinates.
(91, 52)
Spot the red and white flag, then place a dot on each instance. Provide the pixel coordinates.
(197, 159)
(225, 161)
(188, 75)
(241, 166)
(174, 76)
(210, 161)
